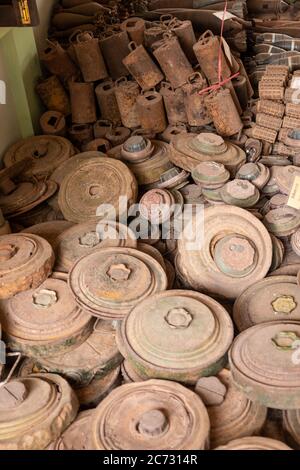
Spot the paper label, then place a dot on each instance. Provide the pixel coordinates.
(294, 198)
(227, 51)
(228, 15)
(295, 83)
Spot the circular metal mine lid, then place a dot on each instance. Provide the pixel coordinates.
(34, 411)
(82, 239)
(26, 260)
(177, 331)
(254, 443)
(283, 221)
(77, 436)
(265, 364)
(210, 174)
(272, 299)
(46, 152)
(93, 188)
(109, 282)
(153, 415)
(285, 178)
(240, 193)
(49, 230)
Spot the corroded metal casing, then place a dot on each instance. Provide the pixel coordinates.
(53, 95)
(141, 66)
(83, 102)
(80, 134)
(53, 123)
(114, 49)
(271, 92)
(97, 145)
(277, 69)
(195, 106)
(153, 34)
(58, 62)
(135, 28)
(262, 133)
(292, 110)
(118, 135)
(271, 107)
(105, 94)
(174, 105)
(127, 93)
(273, 80)
(291, 123)
(185, 32)
(101, 128)
(151, 111)
(241, 90)
(173, 61)
(207, 51)
(271, 122)
(89, 57)
(223, 111)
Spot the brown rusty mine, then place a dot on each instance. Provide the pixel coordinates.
(26, 261)
(231, 414)
(141, 66)
(76, 436)
(89, 57)
(127, 93)
(151, 112)
(92, 188)
(150, 171)
(264, 362)
(253, 149)
(295, 242)
(194, 102)
(240, 192)
(211, 175)
(215, 266)
(225, 116)
(118, 135)
(257, 173)
(282, 222)
(53, 123)
(285, 178)
(154, 252)
(53, 95)
(80, 134)
(185, 32)
(58, 62)
(83, 102)
(192, 194)
(118, 43)
(137, 149)
(97, 145)
(93, 359)
(188, 150)
(105, 93)
(46, 153)
(42, 408)
(157, 205)
(278, 253)
(171, 130)
(254, 443)
(44, 321)
(174, 105)
(49, 230)
(188, 335)
(81, 239)
(207, 51)
(271, 188)
(101, 128)
(171, 58)
(109, 282)
(149, 416)
(271, 299)
(173, 179)
(135, 28)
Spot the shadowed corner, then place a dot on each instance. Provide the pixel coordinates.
(2, 92)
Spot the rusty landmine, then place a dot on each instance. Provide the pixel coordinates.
(257, 173)
(231, 414)
(255, 443)
(285, 178)
(35, 411)
(264, 362)
(153, 415)
(218, 267)
(109, 282)
(271, 188)
(92, 185)
(80, 239)
(49, 230)
(64, 169)
(157, 205)
(278, 253)
(76, 436)
(129, 374)
(38, 215)
(240, 193)
(46, 152)
(44, 321)
(188, 150)
(272, 299)
(26, 260)
(176, 335)
(282, 222)
(210, 175)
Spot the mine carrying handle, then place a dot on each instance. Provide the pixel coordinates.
(192, 78)
(73, 35)
(84, 36)
(132, 46)
(166, 19)
(205, 37)
(121, 80)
